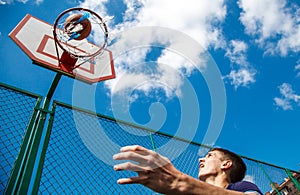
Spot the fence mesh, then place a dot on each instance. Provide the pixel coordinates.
(70, 167)
(78, 157)
(15, 110)
(74, 162)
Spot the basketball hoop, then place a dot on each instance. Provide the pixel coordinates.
(74, 30)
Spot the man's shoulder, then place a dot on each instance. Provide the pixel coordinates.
(244, 186)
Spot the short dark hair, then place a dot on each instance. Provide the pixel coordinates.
(238, 169)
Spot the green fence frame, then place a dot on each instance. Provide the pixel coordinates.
(20, 171)
(22, 175)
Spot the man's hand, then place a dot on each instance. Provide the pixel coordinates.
(154, 171)
(158, 173)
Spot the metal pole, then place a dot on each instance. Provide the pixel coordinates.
(23, 169)
(41, 160)
(17, 169)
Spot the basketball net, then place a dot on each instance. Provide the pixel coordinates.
(72, 30)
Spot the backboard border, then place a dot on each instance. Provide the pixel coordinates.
(44, 64)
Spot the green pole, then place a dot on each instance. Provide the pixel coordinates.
(17, 169)
(37, 179)
(268, 177)
(152, 142)
(23, 169)
(296, 183)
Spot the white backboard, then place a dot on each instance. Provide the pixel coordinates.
(35, 38)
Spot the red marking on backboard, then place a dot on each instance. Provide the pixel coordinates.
(41, 49)
(35, 37)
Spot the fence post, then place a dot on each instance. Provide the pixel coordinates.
(17, 169)
(296, 183)
(23, 168)
(43, 152)
(268, 177)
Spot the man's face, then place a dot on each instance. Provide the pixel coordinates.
(210, 165)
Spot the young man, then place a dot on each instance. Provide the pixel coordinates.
(221, 172)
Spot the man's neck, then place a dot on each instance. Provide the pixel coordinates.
(220, 181)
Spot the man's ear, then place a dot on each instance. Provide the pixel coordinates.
(226, 164)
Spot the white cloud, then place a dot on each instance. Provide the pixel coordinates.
(249, 178)
(201, 22)
(134, 72)
(6, 2)
(242, 73)
(95, 5)
(236, 52)
(297, 68)
(241, 77)
(38, 2)
(198, 21)
(274, 26)
(288, 97)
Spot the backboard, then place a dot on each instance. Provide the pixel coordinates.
(35, 38)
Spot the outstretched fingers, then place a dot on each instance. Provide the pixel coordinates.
(141, 179)
(146, 159)
(131, 180)
(129, 167)
(129, 155)
(135, 148)
(154, 170)
(132, 153)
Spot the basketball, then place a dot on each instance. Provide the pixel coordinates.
(74, 25)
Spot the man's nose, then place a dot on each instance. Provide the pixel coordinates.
(201, 159)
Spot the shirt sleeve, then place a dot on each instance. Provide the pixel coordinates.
(252, 191)
(246, 187)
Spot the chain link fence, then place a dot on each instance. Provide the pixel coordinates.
(78, 148)
(16, 108)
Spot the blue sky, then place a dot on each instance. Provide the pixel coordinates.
(253, 96)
